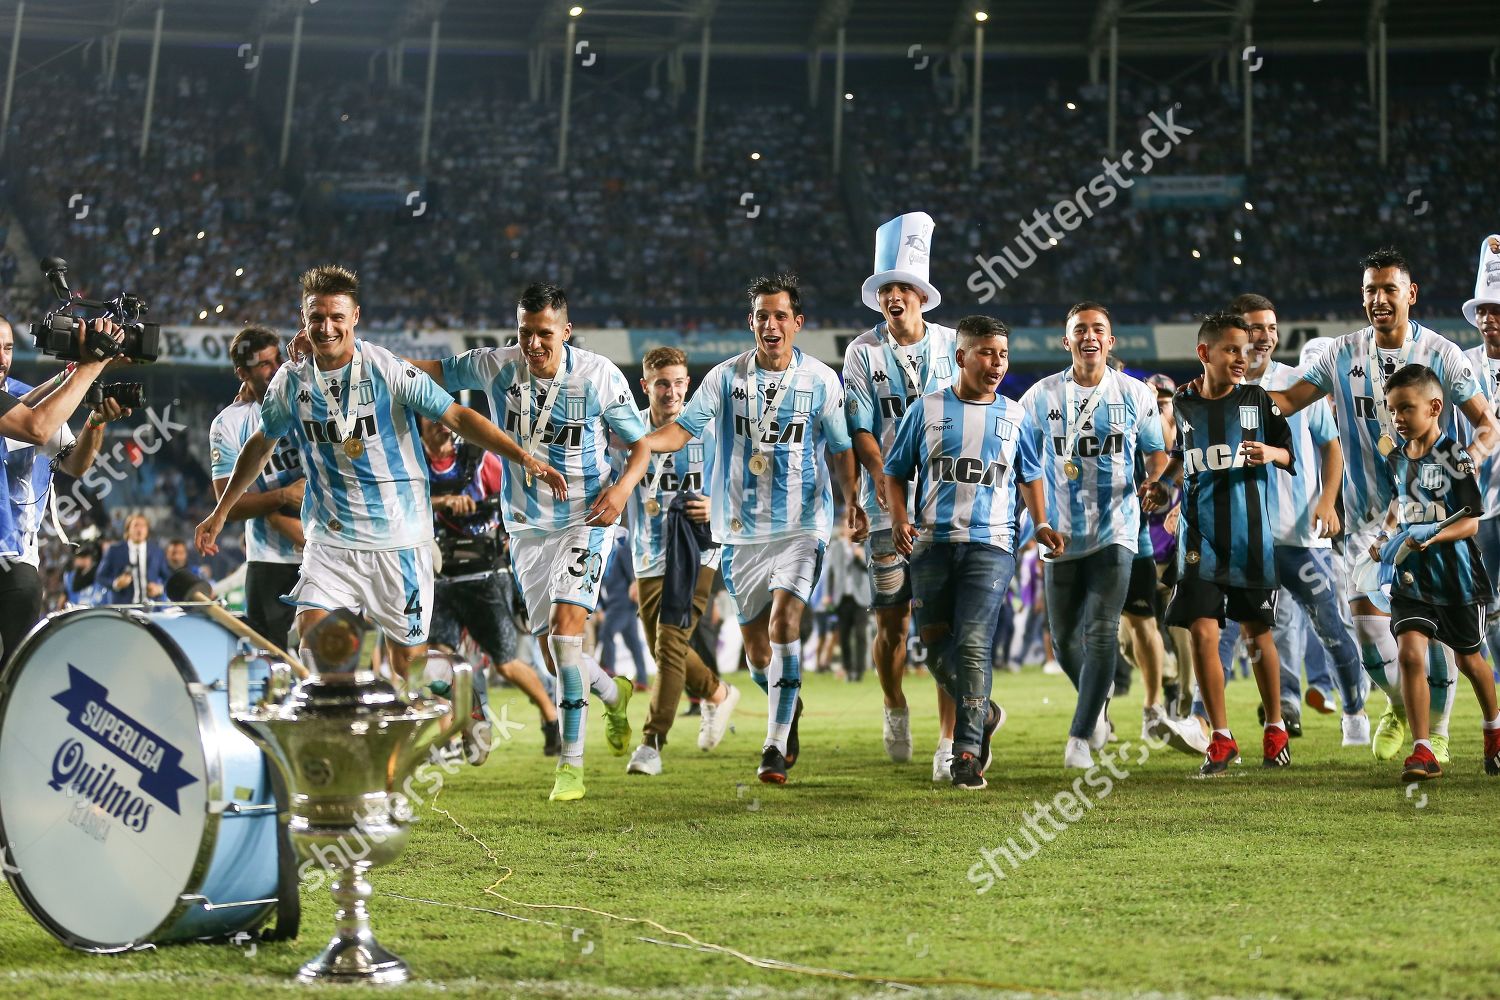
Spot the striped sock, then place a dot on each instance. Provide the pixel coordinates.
(1442, 685)
(1377, 648)
(783, 679)
(572, 700)
(759, 677)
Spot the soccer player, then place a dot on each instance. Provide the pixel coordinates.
(1353, 371)
(351, 408)
(1483, 311)
(968, 450)
(272, 506)
(774, 412)
(1228, 437)
(1439, 585)
(1090, 421)
(686, 474)
(886, 369)
(1304, 516)
(565, 402)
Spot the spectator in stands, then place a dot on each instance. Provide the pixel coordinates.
(135, 569)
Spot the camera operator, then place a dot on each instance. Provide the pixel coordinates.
(272, 507)
(473, 590)
(29, 464)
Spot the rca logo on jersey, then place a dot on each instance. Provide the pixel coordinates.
(568, 435)
(1422, 512)
(287, 458)
(1250, 418)
(1217, 457)
(968, 471)
(327, 432)
(894, 406)
(778, 433)
(1090, 446)
(671, 482)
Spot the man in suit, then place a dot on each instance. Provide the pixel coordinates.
(135, 569)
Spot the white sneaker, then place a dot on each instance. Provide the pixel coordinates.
(897, 733)
(713, 723)
(1077, 754)
(1357, 730)
(1186, 735)
(942, 765)
(645, 760)
(1052, 667)
(1104, 730)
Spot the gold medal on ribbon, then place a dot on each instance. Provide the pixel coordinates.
(758, 464)
(1385, 445)
(1071, 469)
(653, 507)
(1192, 557)
(354, 447)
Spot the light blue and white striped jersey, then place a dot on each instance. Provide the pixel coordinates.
(28, 473)
(965, 458)
(592, 400)
(877, 392)
(795, 497)
(1344, 373)
(687, 471)
(1100, 507)
(1488, 371)
(226, 437)
(1291, 502)
(381, 499)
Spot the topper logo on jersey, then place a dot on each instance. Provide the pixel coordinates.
(968, 471)
(1090, 446)
(567, 435)
(327, 431)
(101, 795)
(792, 431)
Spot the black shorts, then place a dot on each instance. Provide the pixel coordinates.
(483, 607)
(1460, 627)
(1194, 598)
(265, 611)
(1140, 594)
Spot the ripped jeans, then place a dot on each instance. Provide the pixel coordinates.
(959, 586)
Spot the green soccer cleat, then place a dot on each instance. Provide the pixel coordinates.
(1440, 748)
(616, 722)
(1390, 733)
(568, 785)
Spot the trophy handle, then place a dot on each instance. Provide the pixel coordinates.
(461, 705)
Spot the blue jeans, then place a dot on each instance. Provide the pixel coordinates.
(960, 586)
(1084, 600)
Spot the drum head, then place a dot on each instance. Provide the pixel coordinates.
(103, 777)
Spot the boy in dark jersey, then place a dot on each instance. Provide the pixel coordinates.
(1228, 437)
(1439, 589)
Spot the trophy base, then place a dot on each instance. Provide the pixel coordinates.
(354, 961)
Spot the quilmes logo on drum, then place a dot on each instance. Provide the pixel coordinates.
(101, 792)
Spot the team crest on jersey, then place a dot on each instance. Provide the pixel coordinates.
(1250, 417)
(1430, 477)
(576, 408)
(943, 368)
(695, 453)
(1117, 414)
(803, 401)
(1004, 429)
(366, 393)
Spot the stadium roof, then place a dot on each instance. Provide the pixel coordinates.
(784, 27)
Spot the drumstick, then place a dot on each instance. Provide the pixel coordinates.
(188, 590)
(1406, 550)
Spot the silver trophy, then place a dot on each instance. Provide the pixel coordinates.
(346, 742)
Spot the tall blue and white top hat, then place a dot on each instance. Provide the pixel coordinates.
(903, 252)
(1487, 283)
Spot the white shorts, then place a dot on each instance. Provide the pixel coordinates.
(390, 587)
(1359, 569)
(753, 571)
(561, 567)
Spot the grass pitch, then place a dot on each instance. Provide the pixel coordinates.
(1328, 879)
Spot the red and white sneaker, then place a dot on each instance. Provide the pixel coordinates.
(1222, 751)
(1421, 765)
(1276, 748)
(1492, 752)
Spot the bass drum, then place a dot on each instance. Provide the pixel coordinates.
(131, 810)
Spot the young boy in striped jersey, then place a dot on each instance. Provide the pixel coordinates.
(562, 402)
(1439, 587)
(687, 473)
(774, 412)
(1229, 435)
(967, 449)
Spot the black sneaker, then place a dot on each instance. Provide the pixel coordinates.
(551, 738)
(966, 773)
(772, 767)
(1292, 719)
(693, 708)
(995, 720)
(793, 744)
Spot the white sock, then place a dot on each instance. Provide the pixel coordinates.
(1224, 733)
(1422, 743)
(602, 684)
(572, 698)
(1276, 725)
(783, 679)
(945, 745)
(1493, 723)
(1442, 685)
(1377, 648)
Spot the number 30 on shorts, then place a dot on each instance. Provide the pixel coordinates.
(587, 565)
